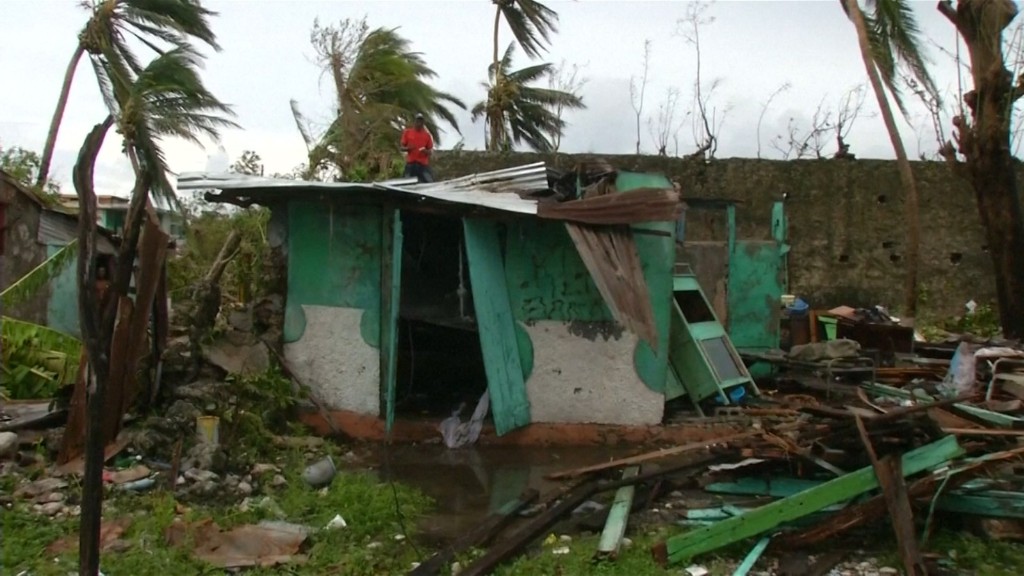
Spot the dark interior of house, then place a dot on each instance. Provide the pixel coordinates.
(440, 362)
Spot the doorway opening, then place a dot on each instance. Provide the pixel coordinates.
(440, 362)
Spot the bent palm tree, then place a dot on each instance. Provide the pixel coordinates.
(171, 22)
(380, 83)
(166, 98)
(532, 24)
(519, 112)
(889, 37)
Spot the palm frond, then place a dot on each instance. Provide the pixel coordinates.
(521, 113)
(532, 24)
(30, 284)
(896, 41)
(173, 21)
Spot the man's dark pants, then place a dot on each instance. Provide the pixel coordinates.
(418, 171)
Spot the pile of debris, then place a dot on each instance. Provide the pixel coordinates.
(812, 467)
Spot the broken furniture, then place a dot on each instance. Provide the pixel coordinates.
(704, 364)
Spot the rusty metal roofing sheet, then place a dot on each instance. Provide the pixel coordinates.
(498, 190)
(60, 229)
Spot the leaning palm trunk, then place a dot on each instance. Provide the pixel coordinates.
(496, 128)
(58, 116)
(902, 162)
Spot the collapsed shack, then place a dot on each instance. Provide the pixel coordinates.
(554, 293)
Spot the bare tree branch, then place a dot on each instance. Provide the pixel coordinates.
(638, 91)
(568, 79)
(664, 127)
(764, 110)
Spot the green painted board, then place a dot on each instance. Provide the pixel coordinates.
(389, 312)
(987, 503)
(762, 520)
(755, 554)
(496, 324)
(754, 294)
(618, 516)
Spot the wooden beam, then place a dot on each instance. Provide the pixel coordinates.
(641, 458)
(480, 536)
(889, 473)
(512, 545)
(690, 544)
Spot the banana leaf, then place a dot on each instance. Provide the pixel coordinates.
(29, 285)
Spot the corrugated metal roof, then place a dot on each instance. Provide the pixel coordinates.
(58, 229)
(498, 190)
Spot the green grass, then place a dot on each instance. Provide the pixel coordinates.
(978, 556)
(367, 506)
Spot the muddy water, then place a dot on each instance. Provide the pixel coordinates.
(469, 483)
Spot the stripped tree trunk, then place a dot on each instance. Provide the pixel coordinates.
(984, 143)
(98, 352)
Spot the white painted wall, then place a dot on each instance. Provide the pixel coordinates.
(340, 368)
(579, 380)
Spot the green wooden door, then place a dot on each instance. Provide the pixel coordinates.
(756, 279)
(509, 403)
(391, 284)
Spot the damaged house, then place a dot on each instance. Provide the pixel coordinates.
(557, 294)
(35, 231)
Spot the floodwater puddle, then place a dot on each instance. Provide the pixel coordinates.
(467, 484)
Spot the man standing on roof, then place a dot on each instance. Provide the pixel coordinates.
(417, 143)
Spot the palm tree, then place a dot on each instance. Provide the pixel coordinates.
(112, 24)
(532, 24)
(165, 98)
(518, 112)
(380, 83)
(889, 37)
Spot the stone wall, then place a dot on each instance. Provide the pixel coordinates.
(22, 252)
(846, 221)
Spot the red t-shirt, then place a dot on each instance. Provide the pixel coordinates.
(414, 140)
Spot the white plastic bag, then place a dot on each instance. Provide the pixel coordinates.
(961, 376)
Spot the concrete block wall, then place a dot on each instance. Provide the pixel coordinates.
(846, 221)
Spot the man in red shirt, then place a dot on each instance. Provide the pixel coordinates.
(417, 143)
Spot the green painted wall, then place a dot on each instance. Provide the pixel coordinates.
(657, 257)
(547, 280)
(546, 277)
(334, 259)
(62, 306)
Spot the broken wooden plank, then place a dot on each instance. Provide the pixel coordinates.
(889, 473)
(875, 508)
(516, 542)
(630, 207)
(688, 545)
(982, 432)
(641, 458)
(510, 405)
(480, 536)
(610, 255)
(618, 516)
(920, 396)
(752, 557)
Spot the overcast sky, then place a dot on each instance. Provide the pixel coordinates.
(753, 47)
